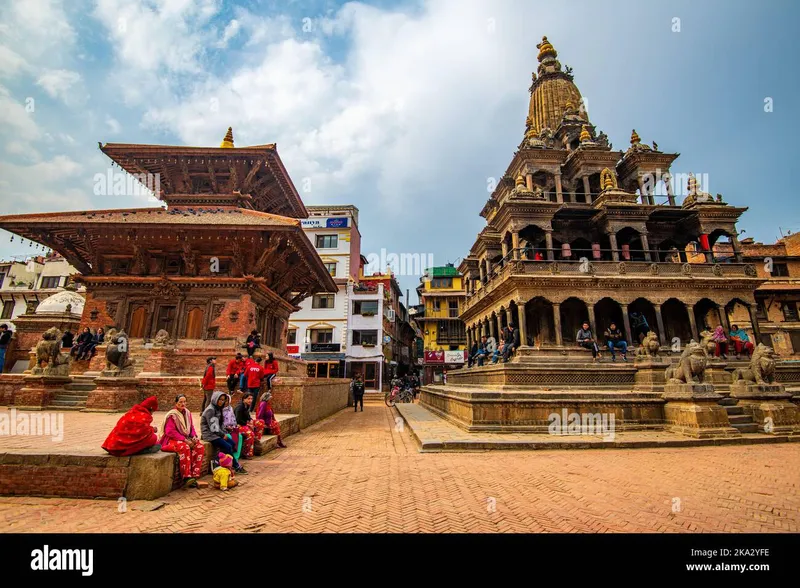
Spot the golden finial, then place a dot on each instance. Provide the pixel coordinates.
(608, 179)
(520, 182)
(227, 142)
(546, 49)
(585, 136)
(635, 139)
(569, 106)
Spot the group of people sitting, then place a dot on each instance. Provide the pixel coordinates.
(488, 349)
(741, 342)
(231, 431)
(614, 338)
(84, 347)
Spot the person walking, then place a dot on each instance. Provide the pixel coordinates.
(5, 340)
(209, 381)
(357, 386)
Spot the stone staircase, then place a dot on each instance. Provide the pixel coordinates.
(739, 420)
(74, 395)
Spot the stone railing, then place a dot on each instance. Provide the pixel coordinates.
(609, 268)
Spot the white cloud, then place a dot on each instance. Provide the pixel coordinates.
(231, 30)
(34, 31)
(113, 125)
(41, 186)
(60, 84)
(15, 120)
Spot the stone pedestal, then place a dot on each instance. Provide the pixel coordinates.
(693, 410)
(770, 405)
(159, 362)
(650, 374)
(717, 375)
(39, 390)
(113, 393)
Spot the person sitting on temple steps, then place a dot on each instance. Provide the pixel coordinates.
(614, 338)
(511, 341)
(585, 339)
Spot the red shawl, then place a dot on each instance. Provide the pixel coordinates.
(134, 431)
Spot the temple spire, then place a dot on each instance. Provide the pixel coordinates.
(546, 49)
(227, 142)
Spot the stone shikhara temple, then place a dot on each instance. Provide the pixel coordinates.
(226, 256)
(575, 232)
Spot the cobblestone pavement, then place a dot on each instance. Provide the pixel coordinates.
(358, 472)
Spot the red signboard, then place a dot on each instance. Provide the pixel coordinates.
(434, 357)
(293, 349)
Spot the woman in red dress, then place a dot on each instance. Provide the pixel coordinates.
(134, 432)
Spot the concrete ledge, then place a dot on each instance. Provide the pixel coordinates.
(434, 434)
(32, 472)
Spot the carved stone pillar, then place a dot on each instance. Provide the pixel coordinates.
(523, 328)
(509, 316)
(482, 271)
(529, 181)
(592, 323)
(737, 248)
(557, 322)
(588, 196)
(692, 321)
(492, 328)
(614, 250)
(723, 319)
(559, 192)
(668, 185)
(548, 240)
(627, 323)
(642, 191)
(646, 247)
(751, 309)
(515, 244)
(662, 334)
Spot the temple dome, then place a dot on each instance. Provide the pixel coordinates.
(57, 303)
(552, 94)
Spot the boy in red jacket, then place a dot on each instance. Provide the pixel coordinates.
(270, 370)
(234, 371)
(209, 381)
(254, 373)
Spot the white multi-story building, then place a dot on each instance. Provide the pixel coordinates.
(318, 331)
(26, 283)
(365, 339)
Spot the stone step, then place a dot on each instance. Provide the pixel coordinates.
(728, 402)
(740, 419)
(80, 387)
(745, 427)
(62, 408)
(72, 396)
(65, 403)
(733, 410)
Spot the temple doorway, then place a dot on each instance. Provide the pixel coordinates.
(676, 321)
(539, 322)
(166, 319)
(573, 315)
(138, 323)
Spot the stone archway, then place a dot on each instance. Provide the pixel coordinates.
(540, 322)
(607, 311)
(707, 315)
(676, 321)
(641, 307)
(573, 313)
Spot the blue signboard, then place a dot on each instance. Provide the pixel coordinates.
(337, 223)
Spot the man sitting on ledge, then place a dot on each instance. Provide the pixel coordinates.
(511, 341)
(585, 339)
(614, 339)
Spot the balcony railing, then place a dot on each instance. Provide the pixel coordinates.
(592, 268)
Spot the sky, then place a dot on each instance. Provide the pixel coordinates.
(409, 110)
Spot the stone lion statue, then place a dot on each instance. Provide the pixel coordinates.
(709, 346)
(690, 367)
(762, 367)
(117, 352)
(48, 352)
(162, 338)
(649, 347)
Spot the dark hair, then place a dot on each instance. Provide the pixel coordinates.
(270, 356)
(4, 326)
(247, 395)
(178, 397)
(254, 332)
(735, 327)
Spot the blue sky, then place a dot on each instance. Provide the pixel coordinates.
(405, 109)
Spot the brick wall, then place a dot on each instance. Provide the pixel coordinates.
(313, 399)
(102, 318)
(237, 319)
(10, 384)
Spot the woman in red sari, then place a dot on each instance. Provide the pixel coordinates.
(266, 414)
(134, 432)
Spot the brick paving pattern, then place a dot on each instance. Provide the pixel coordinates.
(356, 472)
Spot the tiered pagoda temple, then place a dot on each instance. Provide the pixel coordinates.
(227, 255)
(575, 232)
